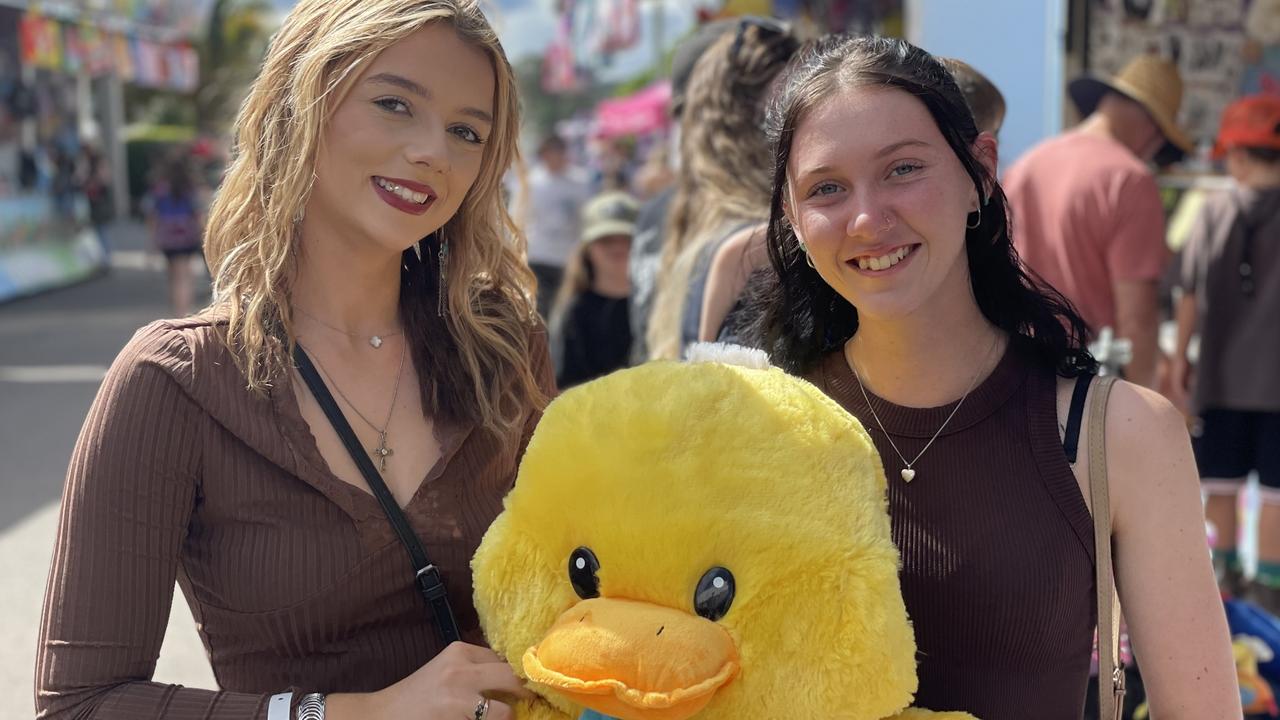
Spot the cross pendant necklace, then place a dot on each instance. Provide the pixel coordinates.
(382, 452)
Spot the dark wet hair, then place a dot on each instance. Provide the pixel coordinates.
(797, 317)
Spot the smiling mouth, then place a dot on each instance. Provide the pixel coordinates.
(883, 262)
(402, 192)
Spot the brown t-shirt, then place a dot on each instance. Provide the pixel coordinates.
(996, 542)
(1239, 363)
(296, 578)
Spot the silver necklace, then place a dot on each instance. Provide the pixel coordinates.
(374, 340)
(383, 451)
(908, 472)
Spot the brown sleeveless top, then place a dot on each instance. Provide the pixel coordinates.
(996, 542)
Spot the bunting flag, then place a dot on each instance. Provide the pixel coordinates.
(74, 56)
(184, 68)
(559, 69)
(41, 42)
(95, 48)
(123, 58)
(621, 27)
(53, 45)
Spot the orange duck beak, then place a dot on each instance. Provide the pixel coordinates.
(633, 660)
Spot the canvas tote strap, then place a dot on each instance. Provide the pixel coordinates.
(1110, 668)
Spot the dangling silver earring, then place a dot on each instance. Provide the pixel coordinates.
(417, 250)
(442, 300)
(978, 223)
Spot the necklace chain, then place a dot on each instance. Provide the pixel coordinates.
(348, 333)
(382, 451)
(909, 472)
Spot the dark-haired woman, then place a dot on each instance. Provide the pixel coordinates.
(895, 288)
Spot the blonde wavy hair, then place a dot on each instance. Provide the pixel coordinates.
(724, 164)
(474, 360)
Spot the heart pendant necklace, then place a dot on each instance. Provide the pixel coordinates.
(908, 472)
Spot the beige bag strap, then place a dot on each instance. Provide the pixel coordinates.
(1110, 668)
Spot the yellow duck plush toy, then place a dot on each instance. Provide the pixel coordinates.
(700, 540)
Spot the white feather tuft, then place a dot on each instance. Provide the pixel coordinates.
(727, 354)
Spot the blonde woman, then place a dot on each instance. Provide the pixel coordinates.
(723, 185)
(371, 333)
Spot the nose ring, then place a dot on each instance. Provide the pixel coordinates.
(887, 226)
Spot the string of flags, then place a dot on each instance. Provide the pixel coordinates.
(81, 47)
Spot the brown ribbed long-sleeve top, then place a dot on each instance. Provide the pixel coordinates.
(996, 542)
(296, 579)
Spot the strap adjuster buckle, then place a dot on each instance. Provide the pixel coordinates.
(428, 579)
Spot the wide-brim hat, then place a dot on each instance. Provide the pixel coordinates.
(1152, 82)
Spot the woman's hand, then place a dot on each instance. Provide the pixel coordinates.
(447, 688)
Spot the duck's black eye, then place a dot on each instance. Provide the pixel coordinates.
(583, 567)
(714, 594)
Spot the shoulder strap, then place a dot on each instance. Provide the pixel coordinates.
(426, 575)
(1071, 438)
(1110, 667)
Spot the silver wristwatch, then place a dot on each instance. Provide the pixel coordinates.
(311, 707)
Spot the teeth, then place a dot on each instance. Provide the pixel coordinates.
(401, 192)
(884, 262)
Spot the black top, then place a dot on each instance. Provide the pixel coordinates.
(996, 541)
(593, 339)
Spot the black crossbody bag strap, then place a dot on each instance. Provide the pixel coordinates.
(426, 575)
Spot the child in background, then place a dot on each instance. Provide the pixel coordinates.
(175, 220)
(1231, 296)
(591, 333)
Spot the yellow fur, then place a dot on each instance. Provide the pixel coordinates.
(670, 469)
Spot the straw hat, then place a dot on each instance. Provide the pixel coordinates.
(1149, 80)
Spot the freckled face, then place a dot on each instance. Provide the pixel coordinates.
(880, 200)
(405, 145)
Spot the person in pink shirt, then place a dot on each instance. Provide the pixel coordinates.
(1087, 215)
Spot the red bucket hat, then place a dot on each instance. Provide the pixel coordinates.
(1252, 121)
